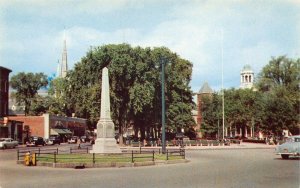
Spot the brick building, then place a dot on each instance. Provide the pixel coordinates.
(4, 86)
(8, 129)
(47, 125)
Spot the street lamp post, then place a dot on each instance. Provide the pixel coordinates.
(163, 110)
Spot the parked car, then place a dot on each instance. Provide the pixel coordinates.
(84, 139)
(290, 148)
(73, 140)
(53, 140)
(35, 141)
(8, 143)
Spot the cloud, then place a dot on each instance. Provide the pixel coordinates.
(253, 32)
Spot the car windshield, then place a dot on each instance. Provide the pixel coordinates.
(297, 139)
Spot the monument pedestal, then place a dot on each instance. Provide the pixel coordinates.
(105, 142)
(105, 145)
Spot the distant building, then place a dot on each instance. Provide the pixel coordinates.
(247, 77)
(203, 92)
(18, 109)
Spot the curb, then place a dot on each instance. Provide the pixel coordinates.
(108, 164)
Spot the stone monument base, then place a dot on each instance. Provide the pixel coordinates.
(105, 145)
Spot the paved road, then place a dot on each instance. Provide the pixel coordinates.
(245, 168)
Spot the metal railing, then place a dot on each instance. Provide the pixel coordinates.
(56, 155)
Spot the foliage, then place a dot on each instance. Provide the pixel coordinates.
(135, 87)
(271, 108)
(27, 86)
(279, 81)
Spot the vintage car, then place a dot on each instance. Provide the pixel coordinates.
(73, 140)
(35, 141)
(8, 143)
(53, 140)
(290, 148)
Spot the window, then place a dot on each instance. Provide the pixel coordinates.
(5, 87)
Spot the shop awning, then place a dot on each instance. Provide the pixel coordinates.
(59, 131)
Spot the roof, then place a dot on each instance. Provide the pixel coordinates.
(205, 89)
(247, 68)
(3, 68)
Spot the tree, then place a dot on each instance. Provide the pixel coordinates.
(279, 81)
(211, 109)
(134, 87)
(27, 86)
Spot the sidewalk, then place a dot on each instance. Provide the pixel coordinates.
(243, 145)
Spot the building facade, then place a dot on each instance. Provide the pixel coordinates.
(4, 91)
(48, 125)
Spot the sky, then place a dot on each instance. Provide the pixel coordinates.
(249, 32)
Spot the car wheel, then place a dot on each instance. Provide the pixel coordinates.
(284, 156)
(4, 147)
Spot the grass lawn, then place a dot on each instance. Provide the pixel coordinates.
(88, 158)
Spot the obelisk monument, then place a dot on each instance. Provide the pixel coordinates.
(105, 142)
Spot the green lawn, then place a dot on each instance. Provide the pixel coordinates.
(88, 158)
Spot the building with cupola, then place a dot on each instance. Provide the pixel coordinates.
(247, 77)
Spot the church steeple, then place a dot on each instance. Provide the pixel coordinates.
(64, 62)
(62, 67)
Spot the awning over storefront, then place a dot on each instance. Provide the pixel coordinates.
(60, 131)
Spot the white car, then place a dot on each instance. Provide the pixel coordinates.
(8, 143)
(290, 148)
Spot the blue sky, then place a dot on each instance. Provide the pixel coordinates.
(31, 32)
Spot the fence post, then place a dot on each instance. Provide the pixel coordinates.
(57, 150)
(39, 151)
(167, 155)
(153, 155)
(18, 154)
(87, 149)
(70, 150)
(140, 149)
(54, 157)
(94, 158)
(132, 156)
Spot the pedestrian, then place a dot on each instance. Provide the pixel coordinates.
(78, 142)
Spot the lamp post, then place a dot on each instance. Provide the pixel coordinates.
(163, 110)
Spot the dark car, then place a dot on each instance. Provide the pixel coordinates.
(53, 140)
(35, 141)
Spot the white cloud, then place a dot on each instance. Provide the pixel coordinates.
(189, 28)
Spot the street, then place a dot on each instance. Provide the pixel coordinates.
(207, 168)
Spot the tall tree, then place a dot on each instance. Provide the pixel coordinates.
(27, 86)
(279, 80)
(134, 86)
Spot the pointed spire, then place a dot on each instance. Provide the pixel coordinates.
(64, 62)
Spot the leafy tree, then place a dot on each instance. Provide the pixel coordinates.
(27, 86)
(134, 87)
(211, 114)
(279, 81)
